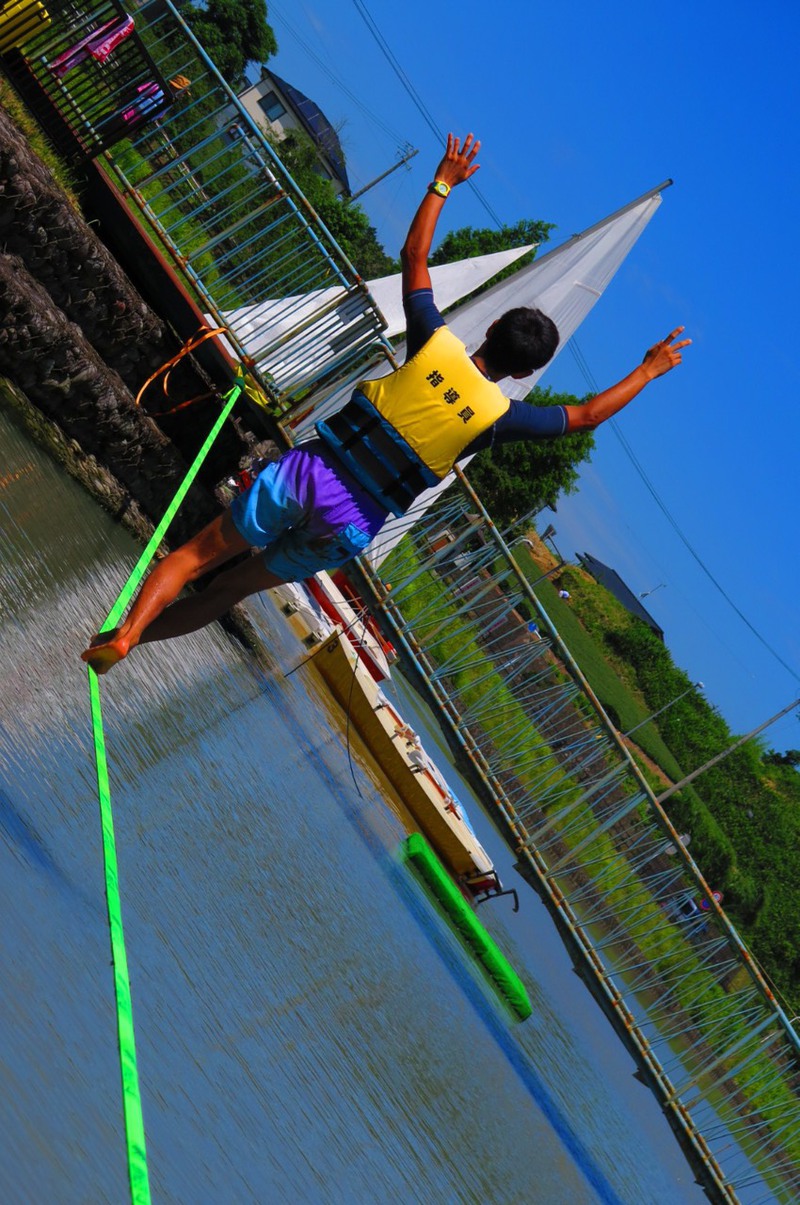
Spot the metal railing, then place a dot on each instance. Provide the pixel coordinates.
(645, 932)
(93, 67)
(209, 187)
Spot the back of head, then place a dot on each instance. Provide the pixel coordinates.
(521, 341)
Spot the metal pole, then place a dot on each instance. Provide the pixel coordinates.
(742, 740)
(677, 699)
(414, 151)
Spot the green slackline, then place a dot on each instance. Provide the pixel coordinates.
(131, 1096)
(477, 940)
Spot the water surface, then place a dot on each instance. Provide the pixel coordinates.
(307, 1028)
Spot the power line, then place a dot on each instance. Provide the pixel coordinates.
(573, 345)
(428, 117)
(673, 522)
(326, 69)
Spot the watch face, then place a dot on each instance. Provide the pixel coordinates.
(441, 188)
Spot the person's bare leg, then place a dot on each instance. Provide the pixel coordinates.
(217, 543)
(198, 610)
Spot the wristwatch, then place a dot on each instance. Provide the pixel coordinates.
(440, 188)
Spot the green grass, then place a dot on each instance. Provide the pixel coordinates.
(37, 141)
(668, 950)
(132, 166)
(580, 622)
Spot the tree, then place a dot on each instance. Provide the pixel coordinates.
(347, 222)
(790, 758)
(516, 478)
(233, 33)
(468, 241)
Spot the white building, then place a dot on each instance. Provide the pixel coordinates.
(280, 107)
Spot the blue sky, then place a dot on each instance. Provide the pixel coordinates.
(581, 108)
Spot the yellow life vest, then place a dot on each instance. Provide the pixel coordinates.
(403, 433)
(438, 401)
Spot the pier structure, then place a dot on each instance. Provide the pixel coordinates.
(204, 199)
(646, 934)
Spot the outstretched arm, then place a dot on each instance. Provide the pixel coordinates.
(456, 166)
(659, 359)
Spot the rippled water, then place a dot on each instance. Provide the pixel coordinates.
(307, 1028)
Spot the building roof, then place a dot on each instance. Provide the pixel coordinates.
(317, 126)
(616, 586)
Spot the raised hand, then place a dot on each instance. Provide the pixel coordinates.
(458, 163)
(664, 355)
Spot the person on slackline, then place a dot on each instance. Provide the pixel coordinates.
(326, 499)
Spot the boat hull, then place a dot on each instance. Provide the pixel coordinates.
(392, 743)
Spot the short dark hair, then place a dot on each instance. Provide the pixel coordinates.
(521, 341)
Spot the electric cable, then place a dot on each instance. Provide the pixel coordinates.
(368, 112)
(673, 522)
(428, 117)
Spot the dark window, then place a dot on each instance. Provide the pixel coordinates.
(272, 106)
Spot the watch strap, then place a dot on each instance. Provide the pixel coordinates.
(440, 188)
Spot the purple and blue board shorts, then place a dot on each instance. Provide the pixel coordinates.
(307, 513)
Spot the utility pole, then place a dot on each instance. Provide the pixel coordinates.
(408, 155)
(742, 740)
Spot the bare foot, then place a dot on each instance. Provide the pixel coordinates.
(105, 650)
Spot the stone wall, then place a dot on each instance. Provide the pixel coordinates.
(79, 341)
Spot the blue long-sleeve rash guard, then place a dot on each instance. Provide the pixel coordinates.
(520, 421)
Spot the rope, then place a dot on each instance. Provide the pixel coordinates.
(362, 638)
(131, 1097)
(349, 710)
(204, 332)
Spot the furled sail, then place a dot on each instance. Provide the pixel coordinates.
(451, 282)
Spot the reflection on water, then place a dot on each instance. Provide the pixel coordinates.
(307, 1029)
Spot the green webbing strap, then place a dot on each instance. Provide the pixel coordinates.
(498, 970)
(131, 1097)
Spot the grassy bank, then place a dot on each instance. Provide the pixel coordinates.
(702, 1000)
(33, 132)
(743, 815)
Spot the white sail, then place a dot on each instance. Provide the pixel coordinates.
(565, 284)
(316, 322)
(450, 283)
